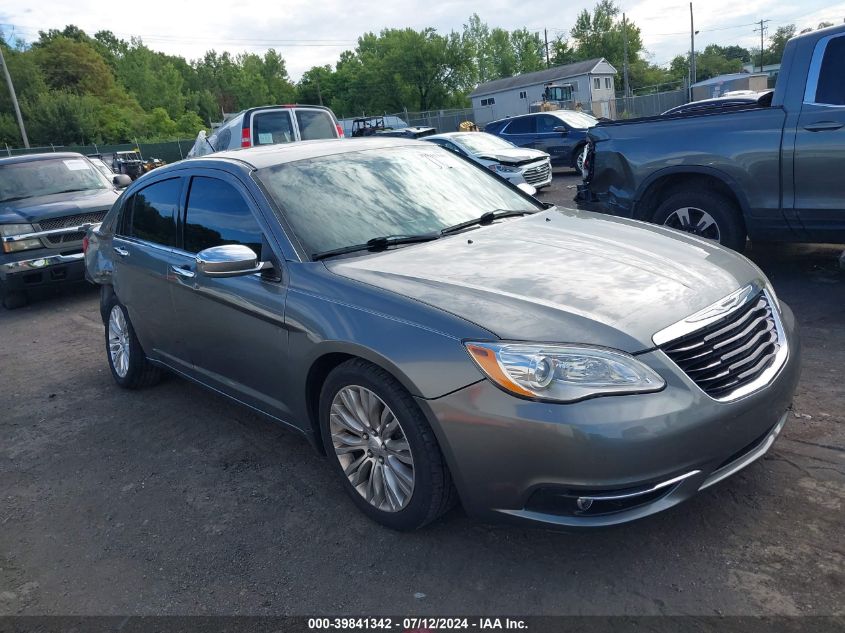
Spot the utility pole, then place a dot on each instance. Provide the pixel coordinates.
(692, 46)
(14, 99)
(546, 34)
(762, 30)
(319, 94)
(625, 58)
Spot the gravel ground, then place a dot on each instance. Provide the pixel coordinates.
(174, 501)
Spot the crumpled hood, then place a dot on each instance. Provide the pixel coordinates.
(515, 155)
(562, 276)
(33, 210)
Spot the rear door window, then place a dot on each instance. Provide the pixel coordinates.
(315, 124)
(218, 214)
(271, 127)
(154, 212)
(831, 86)
(522, 125)
(547, 123)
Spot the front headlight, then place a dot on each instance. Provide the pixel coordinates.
(562, 373)
(504, 169)
(9, 230)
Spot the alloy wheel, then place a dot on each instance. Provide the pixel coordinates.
(372, 448)
(119, 341)
(696, 221)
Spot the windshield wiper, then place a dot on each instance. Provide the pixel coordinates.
(484, 219)
(69, 191)
(15, 198)
(377, 244)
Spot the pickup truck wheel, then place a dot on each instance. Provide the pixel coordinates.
(12, 300)
(707, 215)
(382, 448)
(127, 361)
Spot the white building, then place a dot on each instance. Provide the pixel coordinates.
(589, 84)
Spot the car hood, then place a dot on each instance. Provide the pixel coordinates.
(562, 276)
(33, 210)
(515, 155)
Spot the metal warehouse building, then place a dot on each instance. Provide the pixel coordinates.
(590, 87)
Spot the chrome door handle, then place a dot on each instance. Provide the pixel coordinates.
(183, 272)
(821, 126)
(120, 251)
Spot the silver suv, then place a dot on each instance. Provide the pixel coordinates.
(270, 125)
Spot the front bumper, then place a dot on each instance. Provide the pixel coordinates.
(25, 271)
(626, 457)
(588, 200)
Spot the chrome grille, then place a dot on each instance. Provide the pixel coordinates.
(732, 352)
(537, 174)
(66, 221)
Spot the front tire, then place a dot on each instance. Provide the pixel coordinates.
(13, 299)
(382, 447)
(705, 214)
(127, 361)
(578, 159)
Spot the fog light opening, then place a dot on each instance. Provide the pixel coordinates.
(584, 503)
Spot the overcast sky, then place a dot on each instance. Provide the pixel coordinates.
(309, 33)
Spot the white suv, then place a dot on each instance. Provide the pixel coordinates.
(270, 125)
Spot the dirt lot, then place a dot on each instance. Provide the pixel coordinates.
(173, 501)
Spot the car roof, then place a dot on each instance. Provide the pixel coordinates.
(28, 158)
(556, 113)
(270, 155)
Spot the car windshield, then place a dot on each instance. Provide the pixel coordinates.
(46, 177)
(102, 167)
(337, 201)
(481, 142)
(578, 120)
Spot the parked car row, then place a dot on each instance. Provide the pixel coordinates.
(435, 331)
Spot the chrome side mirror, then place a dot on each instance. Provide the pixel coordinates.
(229, 260)
(121, 181)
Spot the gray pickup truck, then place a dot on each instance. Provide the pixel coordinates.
(769, 171)
(47, 202)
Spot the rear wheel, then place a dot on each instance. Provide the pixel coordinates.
(127, 361)
(705, 214)
(382, 447)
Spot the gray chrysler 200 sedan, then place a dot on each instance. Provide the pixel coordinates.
(443, 336)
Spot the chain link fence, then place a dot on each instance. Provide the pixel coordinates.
(168, 151)
(649, 105)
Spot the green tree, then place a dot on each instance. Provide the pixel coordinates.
(774, 53)
(73, 66)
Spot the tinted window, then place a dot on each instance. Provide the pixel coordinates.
(124, 222)
(548, 123)
(269, 128)
(315, 124)
(349, 198)
(831, 86)
(154, 212)
(217, 214)
(522, 125)
(224, 137)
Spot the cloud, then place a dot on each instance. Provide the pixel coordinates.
(308, 33)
